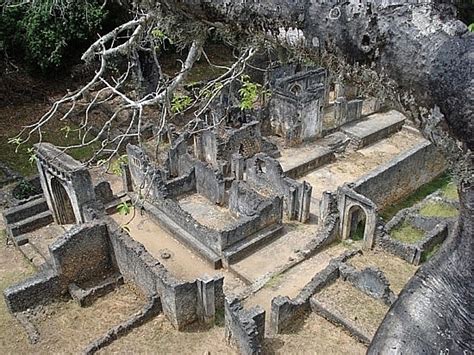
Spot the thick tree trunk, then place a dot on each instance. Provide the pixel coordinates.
(430, 56)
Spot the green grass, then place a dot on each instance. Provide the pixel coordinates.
(443, 182)
(406, 233)
(450, 191)
(19, 161)
(438, 209)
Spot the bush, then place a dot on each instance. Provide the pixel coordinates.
(50, 32)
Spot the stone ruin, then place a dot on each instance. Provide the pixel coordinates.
(237, 170)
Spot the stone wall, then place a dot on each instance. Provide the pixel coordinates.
(265, 173)
(179, 299)
(209, 183)
(244, 329)
(80, 255)
(402, 175)
(371, 280)
(286, 311)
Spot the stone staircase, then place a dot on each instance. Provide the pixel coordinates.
(26, 218)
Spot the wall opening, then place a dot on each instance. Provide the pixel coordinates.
(62, 203)
(357, 220)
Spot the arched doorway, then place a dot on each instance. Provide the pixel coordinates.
(62, 203)
(357, 220)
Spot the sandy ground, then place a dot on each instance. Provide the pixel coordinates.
(291, 282)
(294, 237)
(354, 306)
(183, 263)
(315, 336)
(352, 165)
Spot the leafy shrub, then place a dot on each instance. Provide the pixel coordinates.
(50, 31)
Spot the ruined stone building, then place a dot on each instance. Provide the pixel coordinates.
(250, 198)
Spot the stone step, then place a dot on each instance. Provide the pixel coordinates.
(29, 224)
(27, 210)
(251, 244)
(32, 254)
(374, 128)
(297, 162)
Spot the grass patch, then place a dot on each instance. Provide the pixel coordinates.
(450, 191)
(442, 182)
(19, 161)
(407, 233)
(274, 281)
(438, 209)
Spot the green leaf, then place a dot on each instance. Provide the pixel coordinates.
(124, 208)
(471, 27)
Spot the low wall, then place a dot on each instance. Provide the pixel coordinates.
(244, 329)
(179, 299)
(285, 311)
(402, 175)
(81, 254)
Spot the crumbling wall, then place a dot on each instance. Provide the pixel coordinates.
(255, 211)
(371, 280)
(180, 300)
(244, 329)
(210, 183)
(402, 175)
(265, 173)
(286, 311)
(82, 254)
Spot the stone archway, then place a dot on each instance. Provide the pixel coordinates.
(66, 183)
(62, 203)
(355, 209)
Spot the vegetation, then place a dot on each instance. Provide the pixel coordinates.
(428, 255)
(124, 208)
(419, 195)
(50, 32)
(438, 209)
(450, 191)
(19, 159)
(407, 233)
(249, 93)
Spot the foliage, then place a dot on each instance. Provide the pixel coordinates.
(24, 190)
(180, 102)
(116, 166)
(471, 27)
(50, 31)
(249, 93)
(124, 208)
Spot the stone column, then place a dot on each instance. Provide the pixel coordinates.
(340, 110)
(305, 200)
(238, 165)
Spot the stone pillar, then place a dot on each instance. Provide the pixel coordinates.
(292, 203)
(238, 165)
(326, 205)
(340, 110)
(210, 298)
(305, 200)
(126, 178)
(198, 153)
(339, 90)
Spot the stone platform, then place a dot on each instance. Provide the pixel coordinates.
(374, 128)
